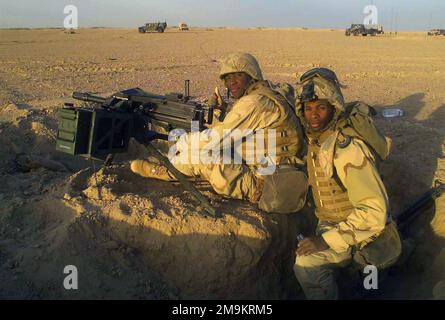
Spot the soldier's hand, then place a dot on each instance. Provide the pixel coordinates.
(311, 245)
(220, 103)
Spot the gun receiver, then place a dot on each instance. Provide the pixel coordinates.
(95, 132)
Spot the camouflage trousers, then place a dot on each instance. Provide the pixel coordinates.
(283, 191)
(316, 272)
(236, 181)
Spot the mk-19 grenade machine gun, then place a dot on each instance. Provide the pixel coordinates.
(105, 128)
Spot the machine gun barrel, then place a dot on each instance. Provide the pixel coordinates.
(85, 96)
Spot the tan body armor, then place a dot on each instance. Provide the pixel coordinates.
(330, 196)
(253, 105)
(288, 130)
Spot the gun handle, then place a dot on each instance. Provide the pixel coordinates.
(210, 115)
(222, 115)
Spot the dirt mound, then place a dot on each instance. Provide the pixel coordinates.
(125, 233)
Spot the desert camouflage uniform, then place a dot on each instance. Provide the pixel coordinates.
(261, 107)
(350, 198)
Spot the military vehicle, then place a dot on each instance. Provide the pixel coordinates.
(69, 31)
(364, 30)
(153, 27)
(436, 32)
(183, 26)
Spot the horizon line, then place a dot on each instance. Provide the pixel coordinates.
(208, 27)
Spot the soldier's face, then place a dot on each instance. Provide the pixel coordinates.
(237, 83)
(318, 114)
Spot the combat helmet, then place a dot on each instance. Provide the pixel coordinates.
(241, 62)
(320, 84)
(353, 119)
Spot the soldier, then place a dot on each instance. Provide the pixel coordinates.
(259, 105)
(349, 195)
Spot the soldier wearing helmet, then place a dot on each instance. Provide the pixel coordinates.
(258, 105)
(350, 198)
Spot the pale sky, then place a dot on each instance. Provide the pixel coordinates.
(392, 14)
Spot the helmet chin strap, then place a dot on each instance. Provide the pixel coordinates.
(250, 84)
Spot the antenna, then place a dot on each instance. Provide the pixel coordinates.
(186, 89)
(392, 20)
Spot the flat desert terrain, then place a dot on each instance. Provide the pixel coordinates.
(136, 238)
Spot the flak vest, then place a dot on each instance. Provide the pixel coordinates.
(330, 196)
(289, 134)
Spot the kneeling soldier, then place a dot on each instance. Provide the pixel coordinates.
(350, 197)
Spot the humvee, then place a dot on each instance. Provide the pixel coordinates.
(69, 31)
(153, 27)
(436, 32)
(364, 30)
(183, 26)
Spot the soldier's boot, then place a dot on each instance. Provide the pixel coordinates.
(151, 170)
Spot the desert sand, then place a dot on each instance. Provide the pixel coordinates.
(136, 238)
